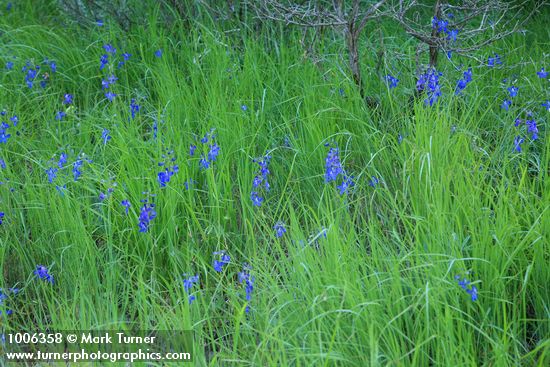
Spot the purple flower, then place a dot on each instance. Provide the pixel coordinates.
(256, 199)
(62, 160)
(373, 181)
(248, 280)
(547, 105)
(9, 65)
(332, 165)
(214, 152)
(126, 204)
(105, 136)
(68, 99)
(52, 174)
(466, 285)
(76, 168)
(109, 49)
(513, 91)
(392, 81)
(495, 60)
(158, 53)
(517, 143)
(42, 273)
(104, 60)
(2, 214)
(188, 283)
(134, 108)
(59, 116)
(532, 127)
(346, 184)
(542, 73)
(244, 107)
(223, 260)
(110, 96)
(506, 104)
(192, 149)
(146, 215)
(280, 229)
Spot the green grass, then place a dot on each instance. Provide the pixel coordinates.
(454, 197)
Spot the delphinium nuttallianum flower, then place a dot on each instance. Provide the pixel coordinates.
(468, 287)
(546, 105)
(280, 229)
(4, 296)
(188, 282)
(134, 108)
(170, 168)
(221, 259)
(542, 74)
(334, 171)
(494, 60)
(146, 215)
(391, 81)
(248, 281)
(261, 181)
(462, 83)
(429, 83)
(5, 127)
(43, 273)
(209, 143)
(126, 204)
(2, 215)
(105, 137)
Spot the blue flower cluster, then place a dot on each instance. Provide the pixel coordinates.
(4, 296)
(429, 83)
(248, 280)
(466, 285)
(222, 260)
(213, 150)
(188, 283)
(164, 176)
(260, 178)
(4, 134)
(462, 83)
(334, 170)
(43, 273)
(146, 215)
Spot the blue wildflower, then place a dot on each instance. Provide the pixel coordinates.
(42, 273)
(158, 53)
(373, 181)
(513, 91)
(126, 204)
(2, 163)
(546, 105)
(110, 96)
(223, 260)
(104, 60)
(99, 23)
(429, 82)
(9, 65)
(76, 168)
(495, 60)
(2, 215)
(68, 99)
(188, 283)
(105, 136)
(62, 160)
(52, 174)
(248, 280)
(214, 152)
(392, 81)
(346, 184)
(542, 73)
(280, 229)
(466, 285)
(59, 115)
(256, 199)
(134, 108)
(146, 215)
(109, 49)
(53, 67)
(506, 104)
(517, 143)
(332, 165)
(532, 127)
(204, 163)
(192, 149)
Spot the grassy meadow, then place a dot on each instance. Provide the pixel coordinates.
(110, 210)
